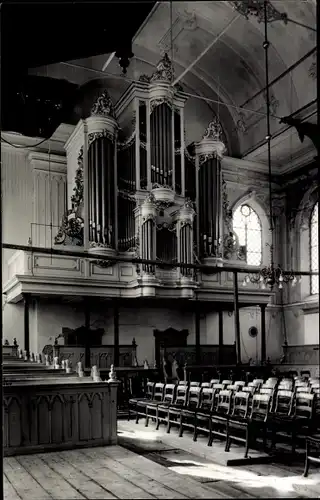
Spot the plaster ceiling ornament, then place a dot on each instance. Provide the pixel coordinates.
(190, 20)
(103, 106)
(256, 8)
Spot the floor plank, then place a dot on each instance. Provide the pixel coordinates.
(9, 491)
(80, 481)
(50, 480)
(113, 483)
(154, 487)
(25, 485)
(186, 485)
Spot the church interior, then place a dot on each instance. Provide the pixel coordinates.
(160, 250)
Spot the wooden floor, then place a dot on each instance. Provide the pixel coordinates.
(150, 464)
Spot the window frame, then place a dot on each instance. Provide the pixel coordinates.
(246, 229)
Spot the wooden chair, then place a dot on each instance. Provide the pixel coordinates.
(214, 381)
(188, 415)
(173, 410)
(142, 405)
(247, 429)
(203, 413)
(194, 384)
(139, 404)
(169, 392)
(299, 421)
(205, 384)
(312, 452)
(219, 415)
(226, 382)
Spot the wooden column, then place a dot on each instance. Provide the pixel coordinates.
(263, 332)
(220, 336)
(87, 314)
(197, 335)
(116, 333)
(26, 297)
(236, 317)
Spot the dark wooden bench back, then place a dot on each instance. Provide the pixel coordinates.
(158, 391)
(214, 381)
(304, 405)
(181, 395)
(249, 389)
(284, 402)
(260, 407)
(150, 390)
(194, 397)
(224, 401)
(169, 393)
(206, 399)
(241, 404)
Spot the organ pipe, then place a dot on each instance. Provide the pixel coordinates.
(101, 191)
(208, 167)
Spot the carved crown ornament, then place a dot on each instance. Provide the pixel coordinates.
(256, 8)
(103, 106)
(164, 73)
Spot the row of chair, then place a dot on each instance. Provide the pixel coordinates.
(236, 412)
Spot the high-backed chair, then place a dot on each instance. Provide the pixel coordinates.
(203, 414)
(157, 396)
(219, 415)
(139, 404)
(163, 394)
(173, 411)
(247, 429)
(187, 415)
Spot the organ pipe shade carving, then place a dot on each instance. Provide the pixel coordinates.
(101, 192)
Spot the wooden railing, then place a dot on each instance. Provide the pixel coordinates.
(101, 356)
(209, 354)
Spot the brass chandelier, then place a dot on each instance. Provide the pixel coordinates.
(270, 275)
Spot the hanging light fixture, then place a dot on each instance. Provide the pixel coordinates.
(270, 275)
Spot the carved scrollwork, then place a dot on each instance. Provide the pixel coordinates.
(97, 135)
(103, 106)
(71, 229)
(256, 8)
(213, 131)
(94, 244)
(148, 217)
(164, 71)
(77, 197)
(171, 226)
(104, 264)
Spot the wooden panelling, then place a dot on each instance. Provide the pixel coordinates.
(58, 416)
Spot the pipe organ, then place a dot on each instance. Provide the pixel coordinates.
(136, 186)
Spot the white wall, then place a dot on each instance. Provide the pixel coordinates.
(250, 347)
(17, 200)
(48, 319)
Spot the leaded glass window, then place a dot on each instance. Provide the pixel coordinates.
(247, 226)
(314, 249)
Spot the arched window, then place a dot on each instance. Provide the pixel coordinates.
(314, 250)
(247, 226)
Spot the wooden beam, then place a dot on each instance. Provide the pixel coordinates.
(220, 335)
(116, 333)
(236, 317)
(26, 297)
(263, 332)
